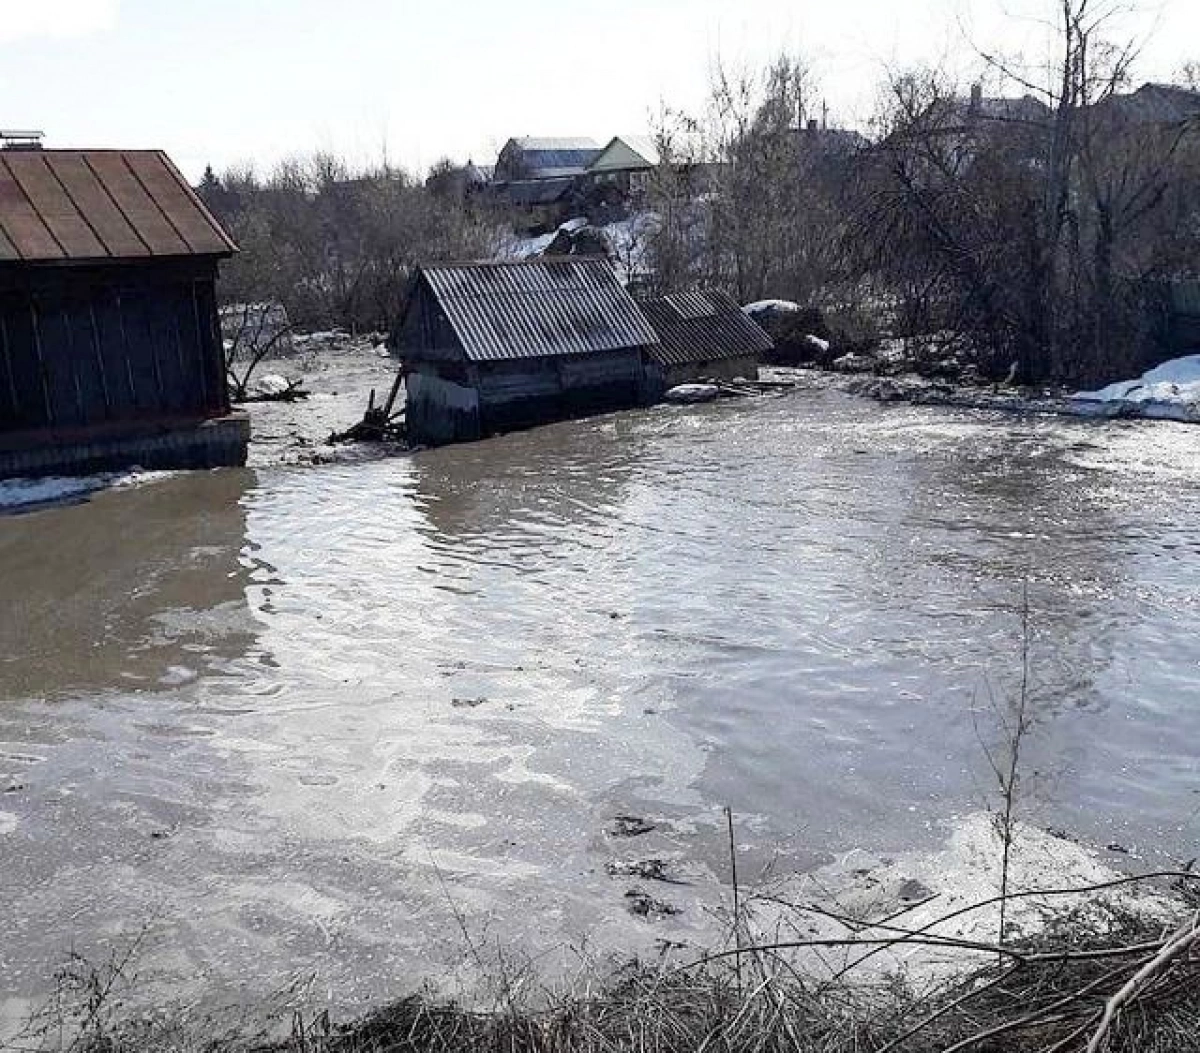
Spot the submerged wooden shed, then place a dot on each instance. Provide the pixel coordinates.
(489, 347)
(701, 335)
(110, 345)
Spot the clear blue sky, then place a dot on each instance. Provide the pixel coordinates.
(226, 81)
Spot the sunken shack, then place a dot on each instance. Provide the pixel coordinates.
(701, 336)
(490, 347)
(110, 345)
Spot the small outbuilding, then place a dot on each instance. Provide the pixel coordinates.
(702, 335)
(110, 342)
(490, 347)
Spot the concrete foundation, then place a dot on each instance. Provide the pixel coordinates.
(217, 443)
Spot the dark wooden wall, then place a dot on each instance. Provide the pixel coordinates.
(425, 334)
(88, 346)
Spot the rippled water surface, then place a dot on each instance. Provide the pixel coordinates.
(320, 720)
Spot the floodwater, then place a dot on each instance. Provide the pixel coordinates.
(357, 722)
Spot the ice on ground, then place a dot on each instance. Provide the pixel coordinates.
(28, 493)
(1170, 391)
(817, 343)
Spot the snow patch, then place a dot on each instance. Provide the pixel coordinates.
(940, 894)
(527, 248)
(629, 245)
(1170, 391)
(771, 307)
(270, 384)
(687, 393)
(27, 493)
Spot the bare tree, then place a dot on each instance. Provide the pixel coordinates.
(255, 332)
(1027, 222)
(748, 191)
(336, 246)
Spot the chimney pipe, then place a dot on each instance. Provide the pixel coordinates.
(12, 139)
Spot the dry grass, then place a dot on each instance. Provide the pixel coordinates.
(1134, 988)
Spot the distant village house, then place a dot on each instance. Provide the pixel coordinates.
(529, 158)
(624, 166)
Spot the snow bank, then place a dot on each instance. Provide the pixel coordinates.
(1167, 392)
(627, 240)
(28, 493)
(531, 248)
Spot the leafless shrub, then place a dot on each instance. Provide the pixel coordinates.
(336, 246)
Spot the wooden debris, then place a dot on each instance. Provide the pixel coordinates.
(379, 423)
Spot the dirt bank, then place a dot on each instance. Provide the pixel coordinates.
(1120, 983)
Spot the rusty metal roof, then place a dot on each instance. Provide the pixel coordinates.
(58, 205)
(538, 308)
(702, 327)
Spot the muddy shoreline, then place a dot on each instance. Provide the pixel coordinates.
(342, 375)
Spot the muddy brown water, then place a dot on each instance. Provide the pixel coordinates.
(357, 721)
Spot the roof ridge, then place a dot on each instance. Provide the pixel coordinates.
(542, 261)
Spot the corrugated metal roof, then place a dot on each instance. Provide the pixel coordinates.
(702, 327)
(554, 158)
(565, 142)
(537, 309)
(101, 205)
